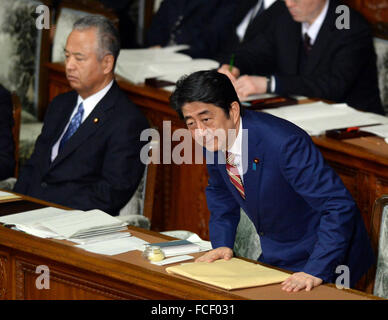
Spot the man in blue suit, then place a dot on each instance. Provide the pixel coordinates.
(307, 220)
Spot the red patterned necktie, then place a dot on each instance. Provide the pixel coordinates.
(233, 173)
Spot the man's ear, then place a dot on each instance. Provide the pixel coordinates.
(108, 63)
(234, 111)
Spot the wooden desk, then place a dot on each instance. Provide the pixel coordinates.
(78, 274)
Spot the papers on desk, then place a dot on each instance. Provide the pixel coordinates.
(379, 130)
(136, 65)
(7, 196)
(177, 247)
(316, 118)
(114, 246)
(229, 274)
(57, 223)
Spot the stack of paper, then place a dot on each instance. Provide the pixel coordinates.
(136, 65)
(316, 118)
(177, 247)
(57, 223)
(230, 274)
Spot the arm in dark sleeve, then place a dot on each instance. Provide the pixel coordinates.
(159, 31)
(224, 211)
(212, 31)
(305, 169)
(7, 159)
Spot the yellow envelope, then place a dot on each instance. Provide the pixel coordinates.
(230, 274)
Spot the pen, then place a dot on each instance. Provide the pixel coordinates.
(231, 63)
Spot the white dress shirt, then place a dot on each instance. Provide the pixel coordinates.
(243, 26)
(313, 29)
(89, 104)
(236, 149)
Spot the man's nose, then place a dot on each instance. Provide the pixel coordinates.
(69, 63)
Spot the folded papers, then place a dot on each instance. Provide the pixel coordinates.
(5, 196)
(58, 223)
(229, 274)
(177, 247)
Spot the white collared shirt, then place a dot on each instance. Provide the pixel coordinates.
(313, 29)
(89, 104)
(243, 26)
(236, 149)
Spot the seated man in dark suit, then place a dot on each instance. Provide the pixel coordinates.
(305, 52)
(203, 25)
(7, 157)
(307, 220)
(247, 22)
(88, 153)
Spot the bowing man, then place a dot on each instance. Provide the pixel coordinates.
(88, 153)
(307, 220)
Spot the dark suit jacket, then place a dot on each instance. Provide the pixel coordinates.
(306, 219)
(205, 26)
(99, 167)
(341, 66)
(7, 157)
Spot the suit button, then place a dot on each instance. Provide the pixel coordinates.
(261, 233)
(43, 184)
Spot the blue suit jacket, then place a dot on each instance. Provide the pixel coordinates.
(306, 218)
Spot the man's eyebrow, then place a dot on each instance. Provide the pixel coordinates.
(75, 53)
(199, 114)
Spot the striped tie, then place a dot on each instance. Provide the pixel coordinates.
(234, 176)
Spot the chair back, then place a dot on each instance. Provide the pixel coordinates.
(379, 238)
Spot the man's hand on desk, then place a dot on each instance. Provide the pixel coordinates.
(299, 281)
(216, 254)
(247, 85)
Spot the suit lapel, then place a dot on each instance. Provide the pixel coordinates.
(94, 121)
(66, 108)
(291, 44)
(253, 158)
(322, 40)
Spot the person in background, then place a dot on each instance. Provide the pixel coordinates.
(88, 153)
(203, 25)
(248, 21)
(307, 220)
(7, 157)
(305, 52)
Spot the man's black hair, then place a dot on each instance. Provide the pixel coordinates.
(209, 87)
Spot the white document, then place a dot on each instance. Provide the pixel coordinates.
(136, 65)
(58, 223)
(172, 260)
(75, 224)
(316, 118)
(379, 130)
(114, 246)
(204, 245)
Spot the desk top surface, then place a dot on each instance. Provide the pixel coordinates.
(131, 268)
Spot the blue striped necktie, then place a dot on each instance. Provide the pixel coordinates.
(73, 126)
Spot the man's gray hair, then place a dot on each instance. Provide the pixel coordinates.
(107, 34)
